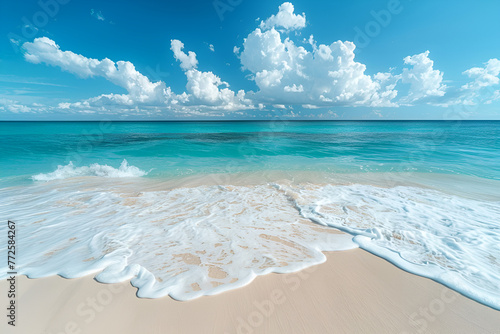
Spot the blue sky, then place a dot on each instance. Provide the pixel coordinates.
(408, 60)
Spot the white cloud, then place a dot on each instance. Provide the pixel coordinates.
(424, 80)
(285, 19)
(480, 89)
(188, 61)
(483, 76)
(46, 50)
(328, 75)
(294, 88)
(121, 73)
(97, 14)
(14, 106)
(203, 87)
(495, 96)
(266, 79)
(279, 106)
(309, 75)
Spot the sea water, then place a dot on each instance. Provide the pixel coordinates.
(195, 208)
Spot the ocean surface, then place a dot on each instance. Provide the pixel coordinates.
(188, 209)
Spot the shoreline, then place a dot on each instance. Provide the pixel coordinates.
(354, 291)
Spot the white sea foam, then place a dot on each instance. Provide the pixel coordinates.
(200, 240)
(67, 171)
(453, 240)
(184, 242)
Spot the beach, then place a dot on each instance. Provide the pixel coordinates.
(242, 167)
(234, 227)
(352, 292)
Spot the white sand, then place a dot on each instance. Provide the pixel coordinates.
(353, 292)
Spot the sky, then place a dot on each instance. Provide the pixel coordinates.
(240, 59)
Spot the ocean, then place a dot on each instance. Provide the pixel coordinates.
(188, 209)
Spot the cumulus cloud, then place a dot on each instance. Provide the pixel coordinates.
(285, 19)
(121, 73)
(203, 87)
(310, 75)
(294, 88)
(327, 75)
(483, 76)
(481, 87)
(424, 80)
(188, 61)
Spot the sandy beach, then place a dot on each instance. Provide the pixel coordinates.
(249, 167)
(352, 292)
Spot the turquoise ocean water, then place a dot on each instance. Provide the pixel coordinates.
(182, 148)
(114, 195)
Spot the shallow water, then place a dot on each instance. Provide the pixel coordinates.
(200, 208)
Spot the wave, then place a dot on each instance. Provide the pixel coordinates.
(450, 239)
(69, 170)
(184, 242)
(201, 240)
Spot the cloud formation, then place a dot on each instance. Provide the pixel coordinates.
(285, 18)
(121, 73)
(97, 14)
(286, 73)
(202, 87)
(481, 87)
(424, 80)
(188, 60)
(14, 106)
(483, 76)
(327, 75)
